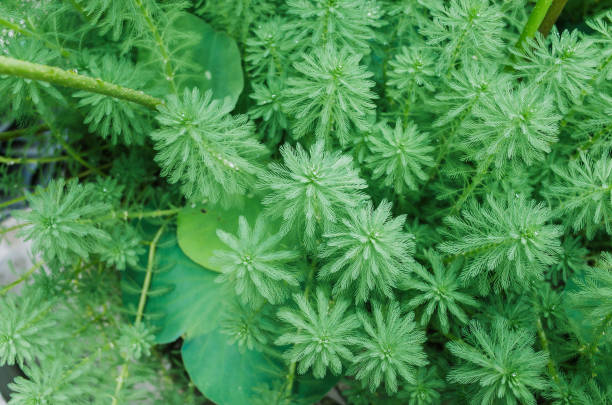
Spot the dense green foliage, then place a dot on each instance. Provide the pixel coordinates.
(254, 201)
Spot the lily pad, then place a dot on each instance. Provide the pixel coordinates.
(215, 60)
(197, 230)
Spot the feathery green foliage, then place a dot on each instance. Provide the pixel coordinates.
(255, 265)
(584, 192)
(391, 348)
(563, 64)
(513, 124)
(311, 189)
(439, 292)
(502, 362)
(401, 201)
(62, 223)
(399, 156)
(347, 23)
(321, 336)
(331, 95)
(212, 154)
(109, 116)
(25, 329)
(507, 243)
(367, 253)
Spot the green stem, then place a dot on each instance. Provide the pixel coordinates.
(123, 374)
(13, 228)
(23, 277)
(15, 161)
(33, 34)
(140, 214)
(594, 346)
(57, 76)
(586, 145)
(476, 180)
(535, 20)
(13, 201)
(8, 135)
(551, 16)
(552, 369)
(74, 154)
(443, 151)
(292, 366)
(148, 276)
(163, 50)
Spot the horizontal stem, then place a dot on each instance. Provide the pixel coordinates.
(141, 214)
(54, 75)
(6, 135)
(15, 161)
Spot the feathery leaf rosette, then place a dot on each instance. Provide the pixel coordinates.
(502, 362)
(393, 346)
(399, 155)
(412, 69)
(438, 291)
(255, 263)
(464, 29)
(584, 193)
(211, 153)
(25, 328)
(320, 336)
(368, 251)
(465, 89)
(310, 190)
(504, 241)
(346, 23)
(123, 248)
(425, 390)
(60, 223)
(514, 124)
(268, 48)
(332, 92)
(50, 383)
(594, 294)
(247, 328)
(269, 99)
(134, 341)
(563, 63)
(109, 116)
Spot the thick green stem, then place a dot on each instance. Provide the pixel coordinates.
(535, 20)
(551, 16)
(57, 76)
